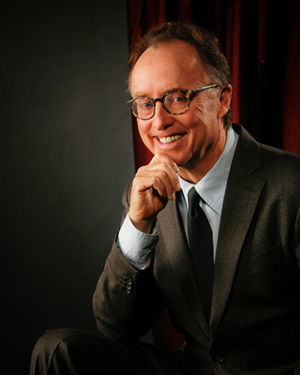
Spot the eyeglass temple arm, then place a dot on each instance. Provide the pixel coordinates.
(205, 88)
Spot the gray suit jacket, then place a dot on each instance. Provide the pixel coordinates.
(255, 319)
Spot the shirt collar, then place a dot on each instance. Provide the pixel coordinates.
(212, 186)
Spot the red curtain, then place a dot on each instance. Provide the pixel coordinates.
(291, 100)
(261, 40)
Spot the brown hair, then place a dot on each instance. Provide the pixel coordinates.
(205, 43)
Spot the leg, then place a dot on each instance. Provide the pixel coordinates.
(76, 352)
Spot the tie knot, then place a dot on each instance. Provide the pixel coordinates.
(194, 198)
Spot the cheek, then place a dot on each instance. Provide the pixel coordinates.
(197, 116)
(144, 128)
(204, 109)
(203, 112)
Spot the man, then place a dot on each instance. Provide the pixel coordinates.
(247, 319)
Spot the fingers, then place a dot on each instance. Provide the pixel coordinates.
(153, 185)
(161, 177)
(162, 174)
(163, 158)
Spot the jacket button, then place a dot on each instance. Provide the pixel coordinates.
(128, 289)
(219, 358)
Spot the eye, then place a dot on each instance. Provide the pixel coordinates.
(176, 98)
(144, 103)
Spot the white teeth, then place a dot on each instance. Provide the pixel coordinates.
(170, 139)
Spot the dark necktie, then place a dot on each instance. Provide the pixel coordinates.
(201, 247)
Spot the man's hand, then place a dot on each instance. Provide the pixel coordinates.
(152, 187)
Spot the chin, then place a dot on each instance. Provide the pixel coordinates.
(179, 160)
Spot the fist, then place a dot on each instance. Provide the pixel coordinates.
(152, 187)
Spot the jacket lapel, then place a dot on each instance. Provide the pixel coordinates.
(241, 198)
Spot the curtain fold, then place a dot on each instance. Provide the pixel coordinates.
(291, 100)
(232, 44)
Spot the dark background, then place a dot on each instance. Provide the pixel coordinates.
(66, 155)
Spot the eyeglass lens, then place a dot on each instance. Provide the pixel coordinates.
(174, 102)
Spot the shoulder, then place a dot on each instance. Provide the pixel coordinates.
(279, 168)
(280, 159)
(251, 150)
(282, 169)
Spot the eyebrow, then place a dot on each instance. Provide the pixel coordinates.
(169, 89)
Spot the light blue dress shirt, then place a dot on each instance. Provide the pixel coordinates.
(138, 247)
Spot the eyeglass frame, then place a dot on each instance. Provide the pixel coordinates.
(187, 93)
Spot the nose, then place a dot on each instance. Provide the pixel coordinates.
(162, 119)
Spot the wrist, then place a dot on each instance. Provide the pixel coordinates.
(144, 225)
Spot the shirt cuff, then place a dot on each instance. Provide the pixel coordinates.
(136, 246)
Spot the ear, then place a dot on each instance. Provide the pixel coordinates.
(224, 100)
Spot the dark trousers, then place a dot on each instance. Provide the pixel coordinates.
(76, 352)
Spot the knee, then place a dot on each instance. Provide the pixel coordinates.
(45, 347)
(51, 339)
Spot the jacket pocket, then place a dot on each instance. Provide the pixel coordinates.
(264, 259)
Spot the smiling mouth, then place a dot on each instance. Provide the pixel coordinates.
(173, 138)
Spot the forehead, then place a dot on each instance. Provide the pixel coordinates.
(167, 66)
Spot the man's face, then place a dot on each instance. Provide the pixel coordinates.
(195, 136)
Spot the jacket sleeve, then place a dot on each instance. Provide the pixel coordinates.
(297, 246)
(126, 301)
(297, 237)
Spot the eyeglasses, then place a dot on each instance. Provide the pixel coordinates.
(174, 102)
